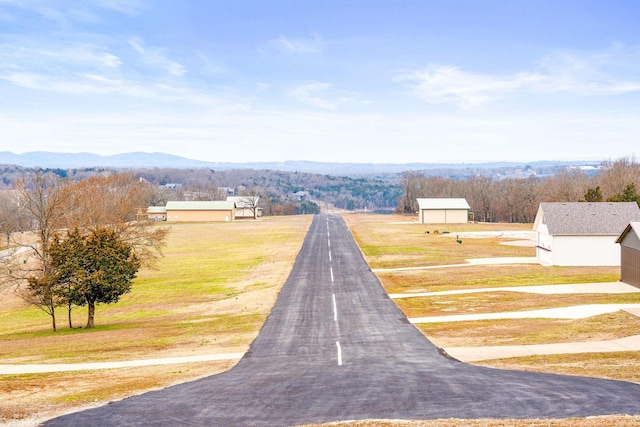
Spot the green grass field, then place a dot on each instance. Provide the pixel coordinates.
(210, 293)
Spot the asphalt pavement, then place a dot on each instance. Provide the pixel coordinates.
(335, 347)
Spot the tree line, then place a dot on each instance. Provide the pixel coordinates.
(277, 189)
(517, 200)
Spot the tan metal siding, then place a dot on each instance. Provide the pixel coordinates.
(630, 266)
(444, 216)
(199, 216)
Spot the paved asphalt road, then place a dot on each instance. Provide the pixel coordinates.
(336, 348)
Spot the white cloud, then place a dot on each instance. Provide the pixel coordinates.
(127, 7)
(320, 95)
(157, 58)
(66, 12)
(591, 74)
(448, 84)
(298, 45)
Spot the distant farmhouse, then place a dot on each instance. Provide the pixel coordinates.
(629, 241)
(211, 211)
(443, 211)
(582, 233)
(246, 206)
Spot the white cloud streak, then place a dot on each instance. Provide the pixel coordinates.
(298, 45)
(589, 74)
(319, 95)
(157, 59)
(448, 84)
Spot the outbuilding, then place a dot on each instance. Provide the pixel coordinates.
(629, 241)
(582, 233)
(443, 211)
(207, 211)
(246, 206)
(157, 213)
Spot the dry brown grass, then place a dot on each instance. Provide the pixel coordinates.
(623, 366)
(34, 398)
(159, 320)
(210, 294)
(496, 302)
(388, 241)
(383, 240)
(531, 331)
(481, 276)
(606, 421)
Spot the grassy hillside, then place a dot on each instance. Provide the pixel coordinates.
(209, 294)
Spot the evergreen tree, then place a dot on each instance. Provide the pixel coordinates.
(94, 268)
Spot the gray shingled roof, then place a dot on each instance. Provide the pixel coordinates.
(580, 218)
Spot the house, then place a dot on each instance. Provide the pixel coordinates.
(582, 233)
(213, 211)
(629, 241)
(443, 211)
(246, 206)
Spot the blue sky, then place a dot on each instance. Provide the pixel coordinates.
(334, 80)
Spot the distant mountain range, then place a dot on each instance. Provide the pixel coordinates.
(51, 160)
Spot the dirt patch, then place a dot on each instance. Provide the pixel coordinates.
(531, 331)
(623, 366)
(488, 276)
(59, 393)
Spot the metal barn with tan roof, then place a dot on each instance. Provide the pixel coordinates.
(443, 211)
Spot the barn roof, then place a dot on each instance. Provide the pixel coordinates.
(157, 209)
(217, 205)
(244, 202)
(443, 203)
(585, 218)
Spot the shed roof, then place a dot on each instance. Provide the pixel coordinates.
(586, 218)
(244, 202)
(443, 203)
(217, 205)
(157, 209)
(632, 226)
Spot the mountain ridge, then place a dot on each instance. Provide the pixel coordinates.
(47, 159)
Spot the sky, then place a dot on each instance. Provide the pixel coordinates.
(365, 81)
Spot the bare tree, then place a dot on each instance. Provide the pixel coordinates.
(413, 184)
(479, 196)
(45, 200)
(250, 199)
(569, 185)
(617, 175)
(113, 202)
(10, 219)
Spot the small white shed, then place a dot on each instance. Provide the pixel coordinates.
(443, 211)
(582, 233)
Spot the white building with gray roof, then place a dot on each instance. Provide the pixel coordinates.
(582, 233)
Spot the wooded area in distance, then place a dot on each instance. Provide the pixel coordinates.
(492, 196)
